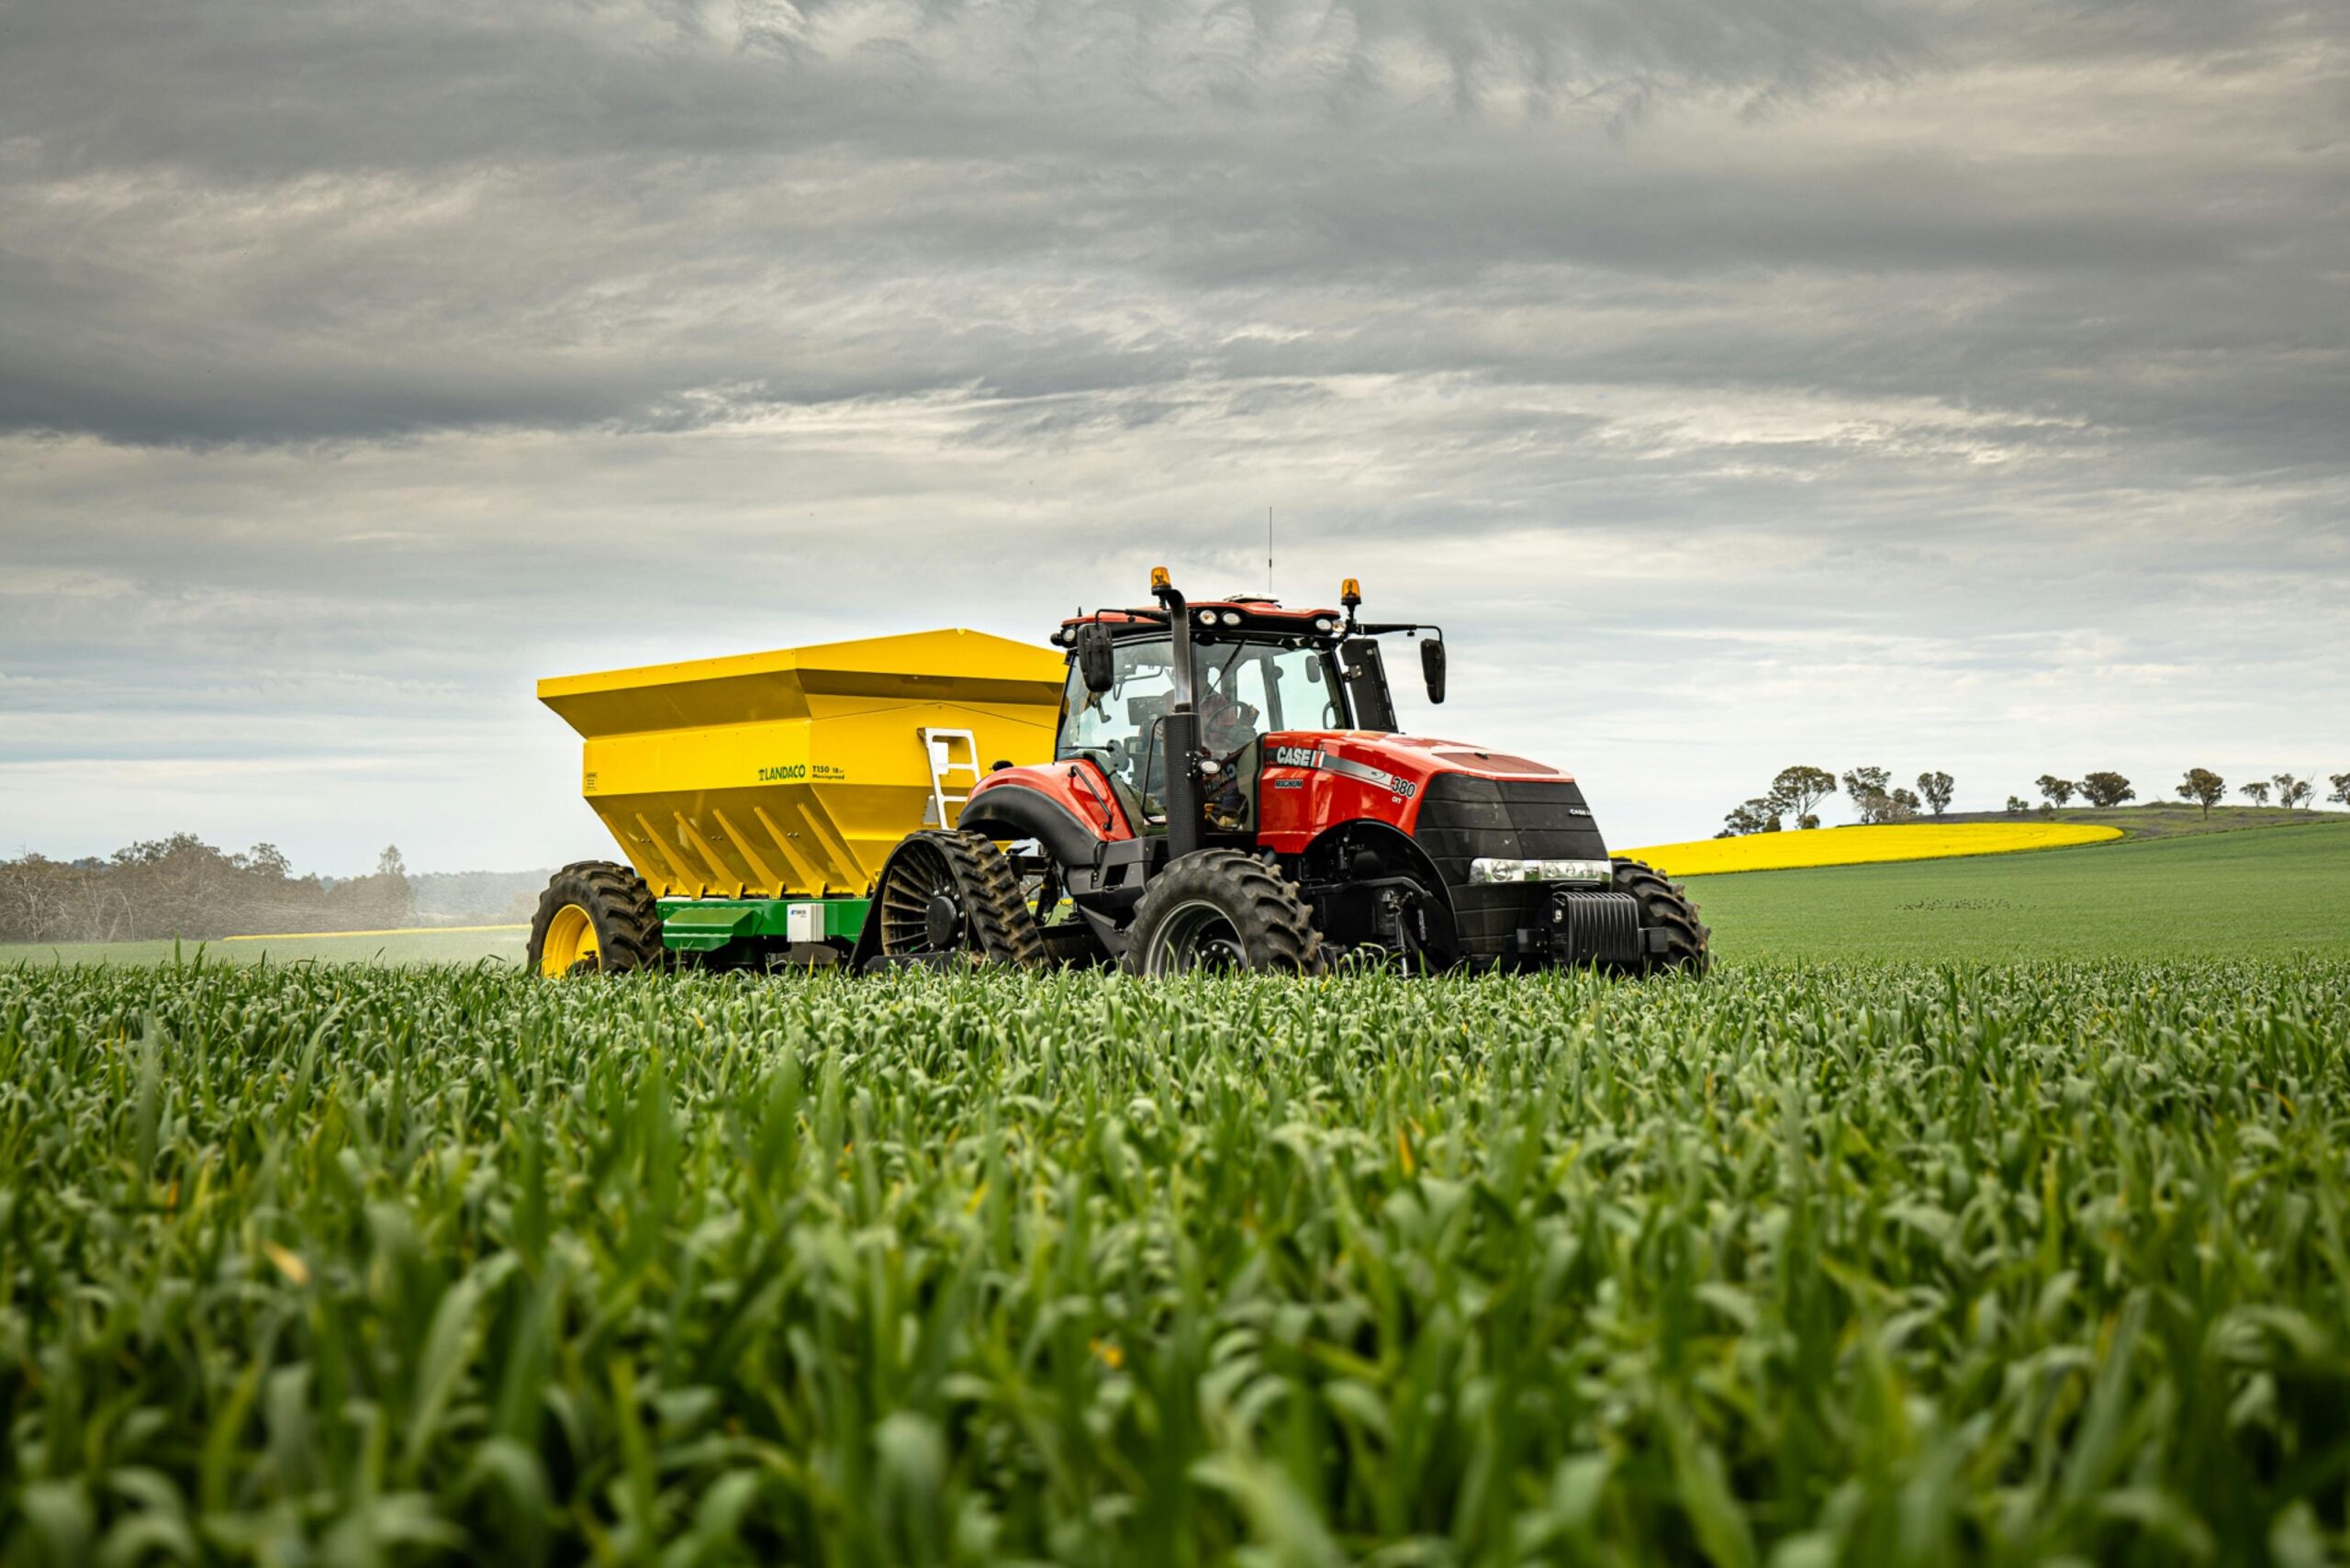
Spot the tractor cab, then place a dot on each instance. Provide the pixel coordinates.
(1248, 681)
(1243, 669)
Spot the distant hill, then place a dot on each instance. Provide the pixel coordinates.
(2160, 819)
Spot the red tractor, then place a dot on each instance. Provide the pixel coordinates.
(1228, 791)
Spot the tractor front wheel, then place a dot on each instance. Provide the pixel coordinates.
(1221, 909)
(1671, 934)
(595, 917)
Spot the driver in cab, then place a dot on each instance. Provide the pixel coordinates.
(1227, 726)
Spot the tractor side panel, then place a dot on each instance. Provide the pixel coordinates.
(1313, 781)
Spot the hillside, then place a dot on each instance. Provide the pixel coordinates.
(2165, 819)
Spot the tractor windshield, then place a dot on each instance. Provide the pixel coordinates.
(1243, 689)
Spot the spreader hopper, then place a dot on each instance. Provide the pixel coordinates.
(793, 773)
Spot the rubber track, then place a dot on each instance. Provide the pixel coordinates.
(631, 920)
(1665, 907)
(994, 913)
(1275, 928)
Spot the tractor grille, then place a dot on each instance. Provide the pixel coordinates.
(1463, 817)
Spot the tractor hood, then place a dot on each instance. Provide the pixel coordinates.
(1398, 759)
(1460, 804)
(1313, 780)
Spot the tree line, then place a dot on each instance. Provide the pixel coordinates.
(2102, 790)
(2206, 789)
(1797, 792)
(181, 886)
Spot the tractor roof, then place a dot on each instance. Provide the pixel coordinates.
(1241, 612)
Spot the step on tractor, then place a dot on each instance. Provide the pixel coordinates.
(1178, 786)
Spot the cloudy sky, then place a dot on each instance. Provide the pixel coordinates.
(1743, 382)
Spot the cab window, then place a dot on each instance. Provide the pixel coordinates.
(1116, 727)
(1243, 689)
(1263, 686)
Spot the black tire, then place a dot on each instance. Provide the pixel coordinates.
(1222, 909)
(1665, 909)
(618, 911)
(947, 893)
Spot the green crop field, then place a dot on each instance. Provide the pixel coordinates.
(1988, 1209)
(2251, 893)
(408, 947)
(1804, 1263)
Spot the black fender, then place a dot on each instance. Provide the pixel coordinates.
(1334, 865)
(1010, 810)
(1335, 845)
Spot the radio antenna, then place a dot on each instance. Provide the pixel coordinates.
(1268, 551)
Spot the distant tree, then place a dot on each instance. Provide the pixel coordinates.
(1867, 787)
(2290, 792)
(385, 898)
(2105, 789)
(1901, 806)
(1759, 815)
(2340, 783)
(2018, 805)
(180, 886)
(2255, 791)
(1937, 787)
(2203, 787)
(1798, 790)
(2057, 791)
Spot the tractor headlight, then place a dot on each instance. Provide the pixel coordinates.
(1494, 868)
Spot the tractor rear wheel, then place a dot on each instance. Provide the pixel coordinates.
(595, 917)
(1222, 909)
(1673, 935)
(945, 894)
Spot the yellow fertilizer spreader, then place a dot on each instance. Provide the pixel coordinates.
(757, 796)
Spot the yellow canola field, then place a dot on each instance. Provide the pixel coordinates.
(1862, 845)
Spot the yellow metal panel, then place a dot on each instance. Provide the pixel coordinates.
(796, 771)
(760, 875)
(807, 875)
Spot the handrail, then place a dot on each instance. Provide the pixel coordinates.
(1079, 776)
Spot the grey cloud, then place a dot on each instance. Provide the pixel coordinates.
(1741, 377)
(355, 223)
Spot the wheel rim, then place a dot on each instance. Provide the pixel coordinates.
(920, 909)
(1196, 936)
(570, 941)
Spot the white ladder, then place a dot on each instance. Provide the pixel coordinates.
(938, 746)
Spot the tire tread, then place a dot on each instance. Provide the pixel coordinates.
(1665, 907)
(1275, 929)
(627, 920)
(998, 923)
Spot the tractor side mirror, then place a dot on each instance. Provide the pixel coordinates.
(1432, 666)
(1093, 657)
